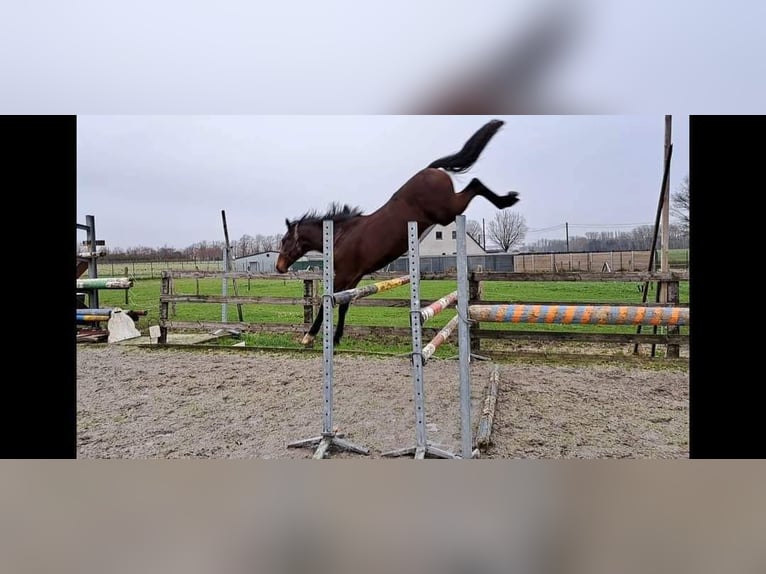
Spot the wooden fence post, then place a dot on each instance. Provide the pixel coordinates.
(308, 307)
(164, 290)
(673, 350)
(315, 283)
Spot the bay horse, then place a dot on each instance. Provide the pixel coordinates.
(366, 243)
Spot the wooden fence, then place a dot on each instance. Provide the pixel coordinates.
(607, 261)
(311, 301)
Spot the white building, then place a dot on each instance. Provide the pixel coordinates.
(442, 240)
(264, 262)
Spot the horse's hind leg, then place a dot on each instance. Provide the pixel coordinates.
(342, 309)
(475, 188)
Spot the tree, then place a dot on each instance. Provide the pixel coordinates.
(680, 204)
(473, 230)
(507, 229)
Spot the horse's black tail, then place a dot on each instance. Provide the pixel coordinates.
(466, 157)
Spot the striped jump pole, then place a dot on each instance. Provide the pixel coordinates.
(580, 314)
(329, 437)
(105, 283)
(440, 337)
(106, 312)
(91, 318)
(437, 307)
(349, 295)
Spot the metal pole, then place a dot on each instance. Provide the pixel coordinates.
(327, 342)
(422, 448)
(464, 342)
(328, 437)
(417, 340)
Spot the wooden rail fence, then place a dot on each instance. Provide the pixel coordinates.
(311, 301)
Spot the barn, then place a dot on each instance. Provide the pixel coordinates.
(263, 262)
(266, 261)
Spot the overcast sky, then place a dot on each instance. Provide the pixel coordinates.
(163, 180)
(346, 56)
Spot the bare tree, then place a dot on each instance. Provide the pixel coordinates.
(473, 230)
(680, 204)
(507, 229)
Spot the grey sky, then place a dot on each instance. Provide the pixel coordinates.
(345, 56)
(163, 180)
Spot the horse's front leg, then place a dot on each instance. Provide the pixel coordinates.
(308, 338)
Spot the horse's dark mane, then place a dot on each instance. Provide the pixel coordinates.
(336, 212)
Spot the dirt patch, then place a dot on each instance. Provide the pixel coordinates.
(142, 403)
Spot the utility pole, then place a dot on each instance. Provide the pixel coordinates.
(664, 266)
(567, 228)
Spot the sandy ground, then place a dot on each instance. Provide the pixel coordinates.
(146, 403)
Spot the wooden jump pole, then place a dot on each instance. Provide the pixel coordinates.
(105, 283)
(349, 295)
(438, 306)
(439, 338)
(580, 314)
(488, 410)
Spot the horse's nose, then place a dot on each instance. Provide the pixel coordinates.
(281, 265)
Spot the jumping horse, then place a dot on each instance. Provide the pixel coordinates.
(366, 243)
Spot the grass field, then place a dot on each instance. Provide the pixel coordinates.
(145, 296)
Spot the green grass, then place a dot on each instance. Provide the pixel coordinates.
(678, 258)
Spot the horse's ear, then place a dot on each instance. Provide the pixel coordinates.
(287, 222)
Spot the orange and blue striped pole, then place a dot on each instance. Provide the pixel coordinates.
(580, 314)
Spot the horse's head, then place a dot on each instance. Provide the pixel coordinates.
(305, 233)
(293, 247)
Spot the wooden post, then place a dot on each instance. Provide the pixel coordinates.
(315, 283)
(308, 306)
(474, 297)
(231, 266)
(164, 290)
(172, 288)
(673, 293)
(664, 251)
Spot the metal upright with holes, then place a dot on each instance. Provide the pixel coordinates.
(422, 448)
(464, 341)
(329, 437)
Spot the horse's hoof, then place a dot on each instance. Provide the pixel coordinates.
(308, 340)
